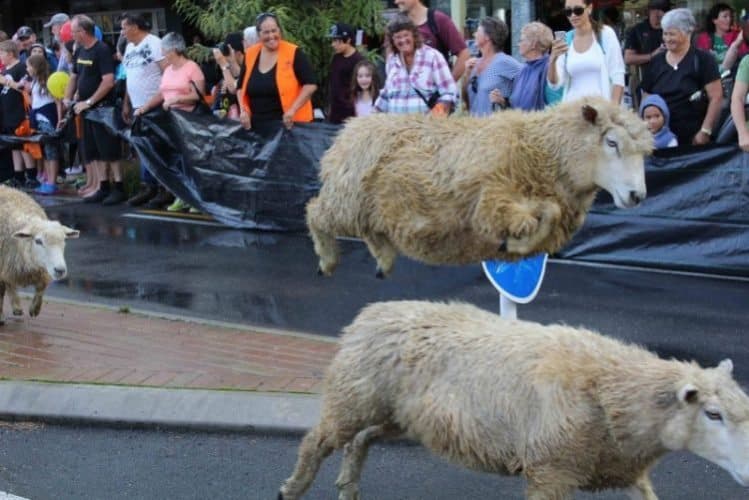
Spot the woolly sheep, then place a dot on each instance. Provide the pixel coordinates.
(564, 407)
(31, 249)
(467, 189)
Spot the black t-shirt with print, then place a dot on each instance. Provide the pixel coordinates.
(11, 101)
(90, 65)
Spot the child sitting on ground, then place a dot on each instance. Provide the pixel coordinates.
(654, 111)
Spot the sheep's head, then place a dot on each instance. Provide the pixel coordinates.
(712, 420)
(46, 245)
(623, 143)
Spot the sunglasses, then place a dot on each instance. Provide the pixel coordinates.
(263, 16)
(474, 84)
(578, 11)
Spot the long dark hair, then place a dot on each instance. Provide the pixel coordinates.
(593, 21)
(713, 14)
(374, 88)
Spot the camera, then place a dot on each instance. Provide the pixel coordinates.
(224, 48)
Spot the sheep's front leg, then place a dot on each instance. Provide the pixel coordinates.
(15, 300)
(643, 489)
(383, 251)
(532, 226)
(36, 302)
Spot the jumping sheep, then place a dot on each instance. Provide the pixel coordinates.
(32, 249)
(467, 189)
(566, 408)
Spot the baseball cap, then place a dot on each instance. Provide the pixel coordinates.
(341, 31)
(59, 18)
(24, 32)
(664, 5)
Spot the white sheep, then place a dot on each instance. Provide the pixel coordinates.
(468, 189)
(32, 249)
(566, 408)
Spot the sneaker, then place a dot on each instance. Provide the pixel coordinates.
(147, 193)
(162, 199)
(194, 210)
(31, 184)
(97, 197)
(178, 206)
(78, 169)
(46, 189)
(14, 183)
(115, 197)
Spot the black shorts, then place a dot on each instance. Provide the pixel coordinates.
(98, 144)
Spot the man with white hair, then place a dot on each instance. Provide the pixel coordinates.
(250, 37)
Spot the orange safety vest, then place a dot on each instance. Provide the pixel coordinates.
(286, 82)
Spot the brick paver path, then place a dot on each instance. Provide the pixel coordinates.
(87, 344)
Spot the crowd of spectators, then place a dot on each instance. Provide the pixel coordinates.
(265, 81)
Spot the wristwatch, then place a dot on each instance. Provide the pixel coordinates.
(89, 102)
(706, 131)
(226, 67)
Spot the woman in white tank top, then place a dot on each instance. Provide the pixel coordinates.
(589, 61)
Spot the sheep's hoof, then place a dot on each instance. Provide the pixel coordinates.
(319, 273)
(380, 274)
(503, 246)
(280, 495)
(17, 312)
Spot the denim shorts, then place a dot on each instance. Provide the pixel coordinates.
(51, 149)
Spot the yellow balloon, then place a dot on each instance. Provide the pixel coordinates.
(56, 84)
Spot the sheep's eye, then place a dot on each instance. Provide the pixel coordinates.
(39, 241)
(713, 415)
(612, 143)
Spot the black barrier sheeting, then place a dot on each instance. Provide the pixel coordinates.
(243, 178)
(695, 218)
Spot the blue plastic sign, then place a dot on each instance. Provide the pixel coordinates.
(519, 281)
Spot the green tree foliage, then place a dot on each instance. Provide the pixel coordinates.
(304, 22)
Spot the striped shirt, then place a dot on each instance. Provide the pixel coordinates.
(429, 73)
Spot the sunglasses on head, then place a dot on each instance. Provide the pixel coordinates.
(263, 16)
(578, 11)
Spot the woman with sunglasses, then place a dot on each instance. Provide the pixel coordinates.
(277, 80)
(491, 75)
(589, 60)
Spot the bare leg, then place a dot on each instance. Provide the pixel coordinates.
(15, 300)
(384, 253)
(315, 447)
(354, 455)
(2, 300)
(326, 246)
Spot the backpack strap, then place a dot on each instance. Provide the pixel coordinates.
(434, 28)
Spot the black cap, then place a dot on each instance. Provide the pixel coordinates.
(341, 31)
(24, 32)
(664, 5)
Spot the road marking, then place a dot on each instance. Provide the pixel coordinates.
(178, 220)
(648, 270)
(8, 496)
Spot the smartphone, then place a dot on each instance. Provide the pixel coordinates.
(560, 35)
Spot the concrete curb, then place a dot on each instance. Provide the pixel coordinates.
(192, 409)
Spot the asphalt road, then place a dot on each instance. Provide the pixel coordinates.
(59, 463)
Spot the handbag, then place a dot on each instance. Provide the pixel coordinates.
(201, 106)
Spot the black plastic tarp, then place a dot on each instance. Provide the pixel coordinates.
(695, 218)
(243, 178)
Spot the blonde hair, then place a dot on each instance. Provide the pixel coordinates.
(538, 34)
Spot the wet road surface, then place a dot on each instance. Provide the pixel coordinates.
(269, 279)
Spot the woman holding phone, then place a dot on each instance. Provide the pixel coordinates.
(588, 61)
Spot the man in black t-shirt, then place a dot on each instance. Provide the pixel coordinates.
(341, 71)
(91, 84)
(645, 41)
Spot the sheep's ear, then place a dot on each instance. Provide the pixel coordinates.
(590, 114)
(688, 394)
(24, 233)
(70, 233)
(726, 366)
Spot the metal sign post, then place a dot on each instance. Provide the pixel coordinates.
(517, 282)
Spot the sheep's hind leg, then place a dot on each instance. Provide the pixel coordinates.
(36, 303)
(15, 301)
(354, 455)
(530, 228)
(642, 490)
(315, 447)
(384, 253)
(326, 246)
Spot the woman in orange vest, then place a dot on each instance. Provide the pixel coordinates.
(277, 80)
